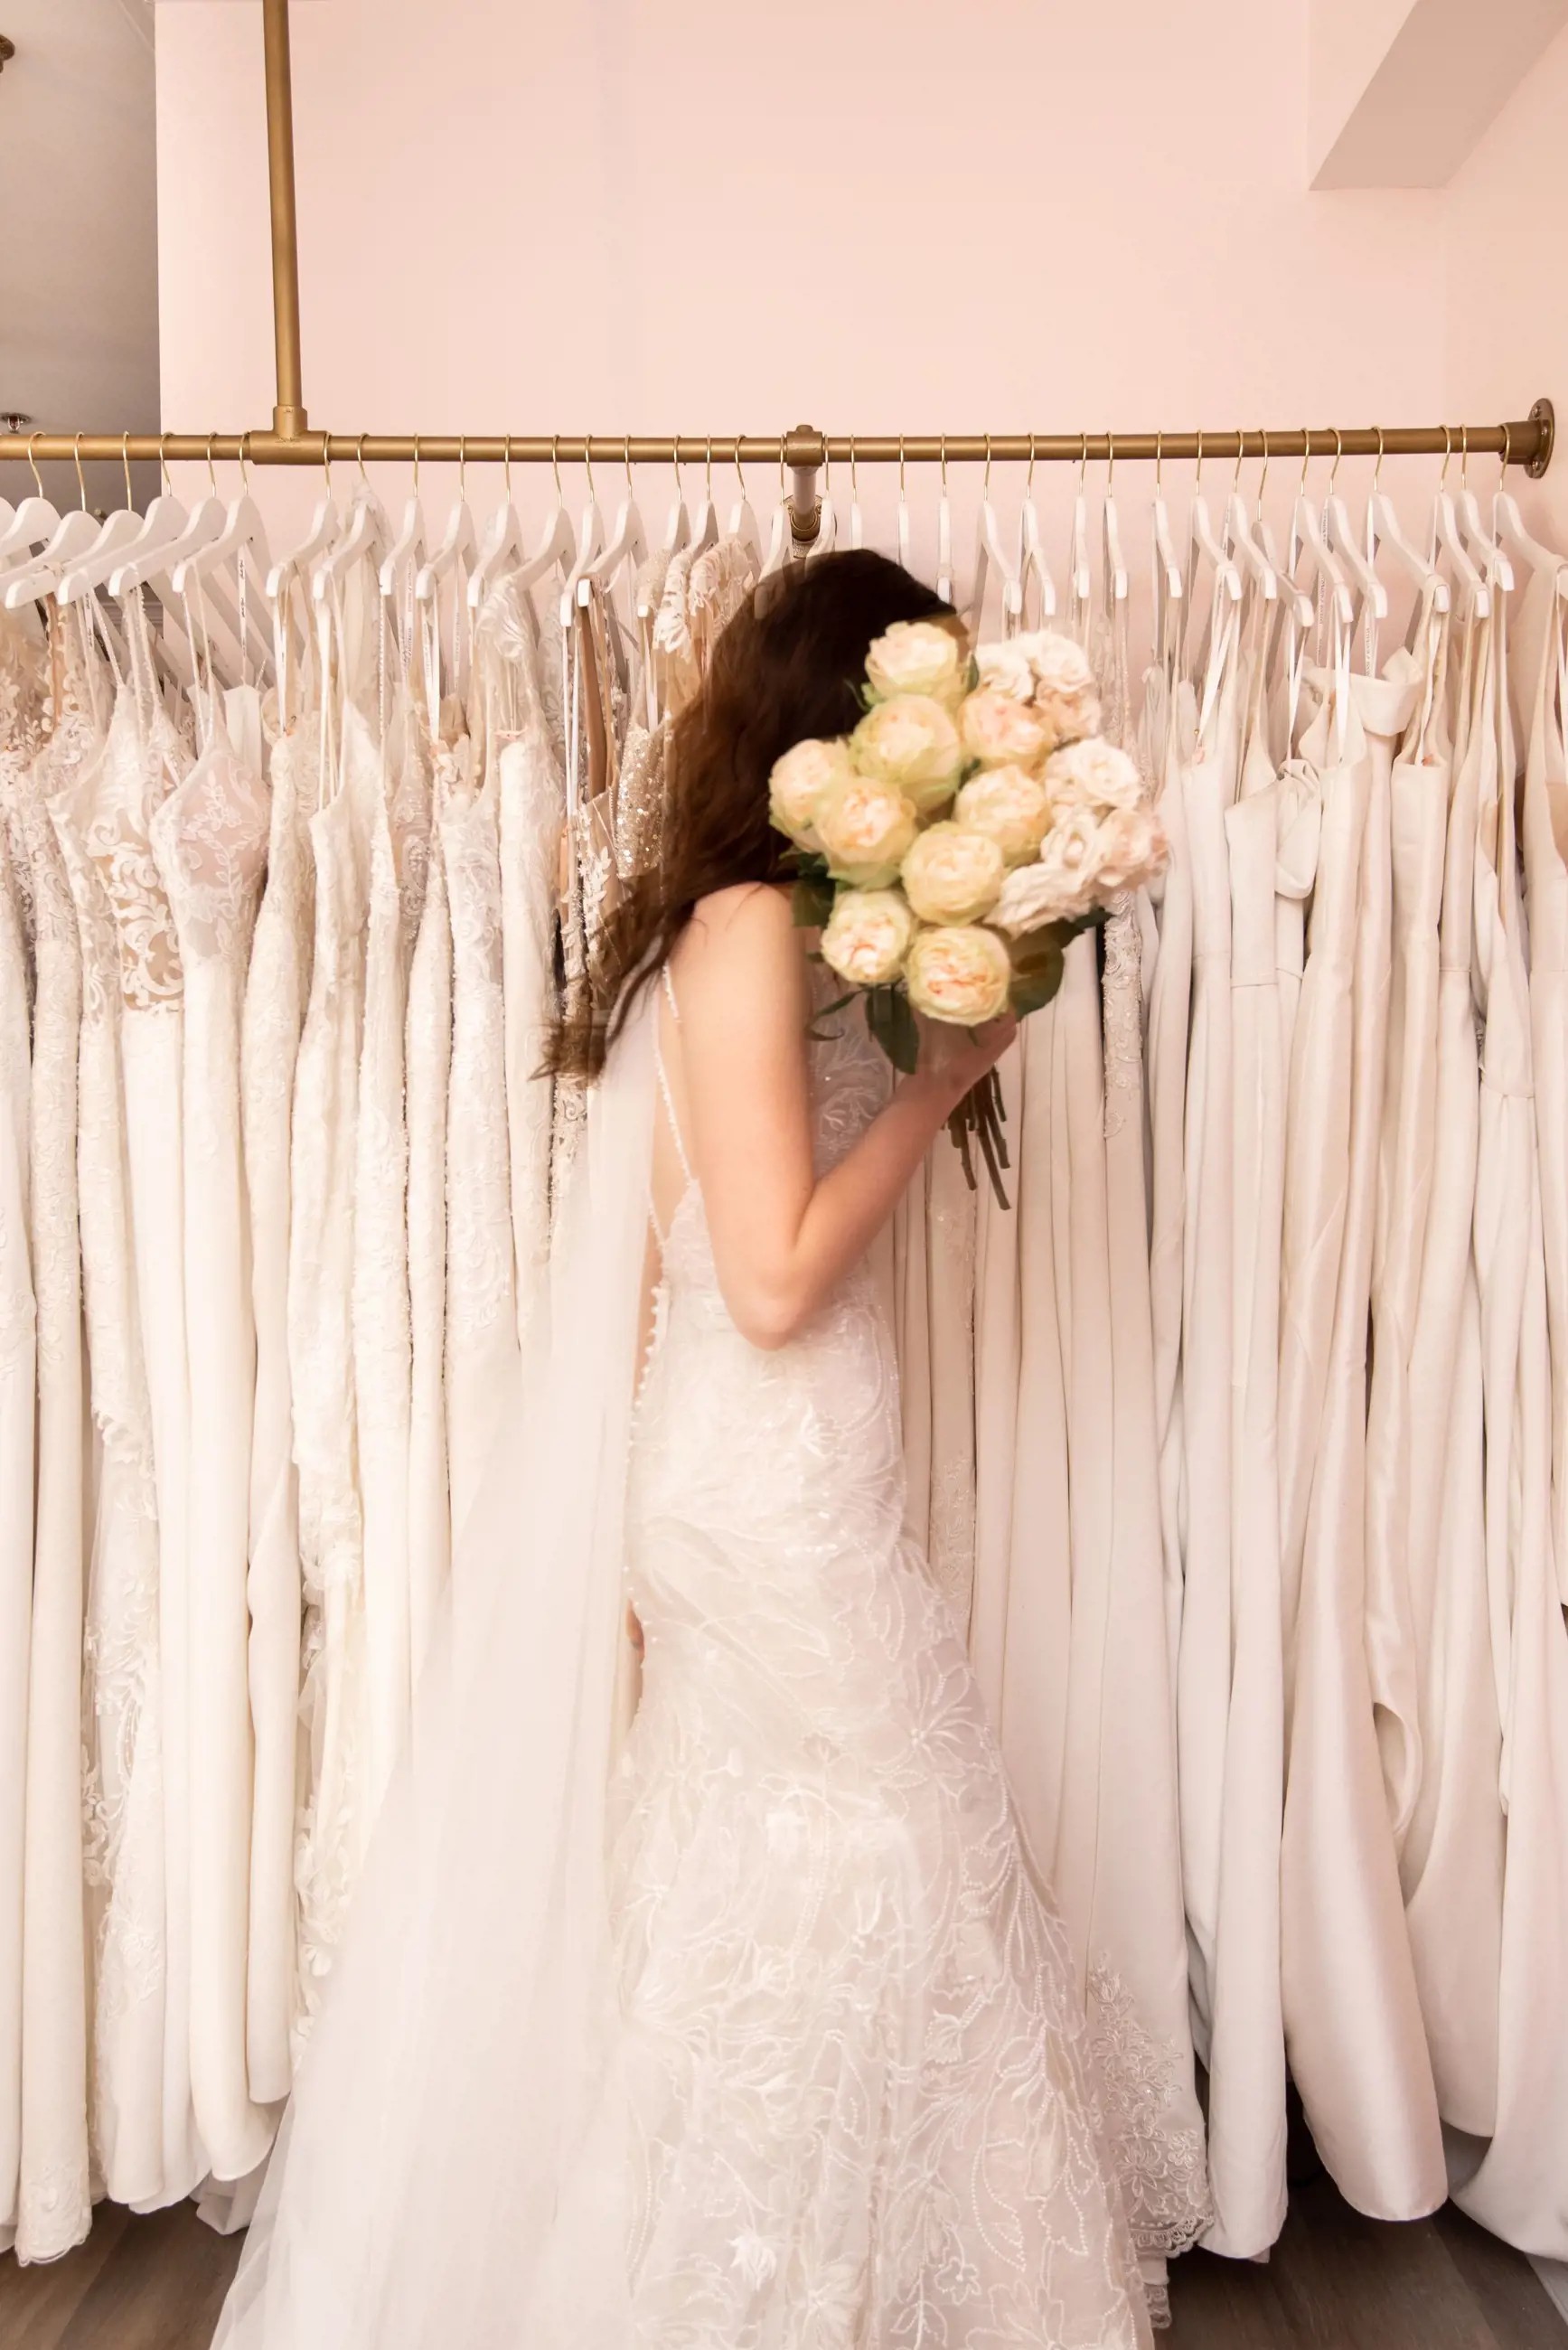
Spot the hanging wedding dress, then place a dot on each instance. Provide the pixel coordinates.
(278, 989)
(332, 1832)
(21, 723)
(1515, 2189)
(428, 1063)
(54, 2208)
(863, 2117)
(1353, 2018)
(1451, 1862)
(209, 840)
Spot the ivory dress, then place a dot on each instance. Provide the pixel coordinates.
(209, 838)
(429, 1065)
(277, 988)
(922, 2004)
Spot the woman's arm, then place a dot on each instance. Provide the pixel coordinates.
(782, 1241)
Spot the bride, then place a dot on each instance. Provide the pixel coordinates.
(746, 2026)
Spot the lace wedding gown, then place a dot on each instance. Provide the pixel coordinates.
(861, 2096)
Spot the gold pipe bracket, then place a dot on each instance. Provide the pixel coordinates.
(1543, 416)
(288, 417)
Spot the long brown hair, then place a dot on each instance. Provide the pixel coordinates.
(788, 669)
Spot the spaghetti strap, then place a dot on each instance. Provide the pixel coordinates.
(669, 994)
(665, 1093)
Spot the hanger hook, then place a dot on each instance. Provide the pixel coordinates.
(708, 472)
(327, 459)
(416, 464)
(944, 462)
(211, 476)
(462, 462)
(1338, 453)
(245, 461)
(739, 469)
(1110, 462)
(1197, 476)
(163, 459)
(1263, 437)
(1464, 458)
(854, 473)
(1240, 459)
(359, 459)
(675, 461)
(81, 478)
(784, 487)
(1377, 469)
(1083, 460)
(1507, 453)
(1029, 484)
(506, 464)
(589, 468)
(985, 477)
(901, 465)
(626, 460)
(31, 460)
(555, 463)
(125, 461)
(1158, 462)
(1448, 456)
(827, 468)
(1306, 457)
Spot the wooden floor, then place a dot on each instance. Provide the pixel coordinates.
(1337, 2282)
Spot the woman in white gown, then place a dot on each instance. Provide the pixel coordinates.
(783, 2045)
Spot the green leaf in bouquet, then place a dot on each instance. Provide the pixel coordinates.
(892, 1023)
(1038, 968)
(811, 899)
(819, 1034)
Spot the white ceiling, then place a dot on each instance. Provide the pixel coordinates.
(78, 257)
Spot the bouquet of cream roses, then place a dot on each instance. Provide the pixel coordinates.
(950, 847)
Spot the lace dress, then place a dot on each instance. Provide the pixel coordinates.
(860, 2084)
(21, 718)
(321, 1356)
(209, 839)
(276, 989)
(122, 1701)
(428, 1064)
(54, 2205)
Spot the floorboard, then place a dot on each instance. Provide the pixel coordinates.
(1335, 2281)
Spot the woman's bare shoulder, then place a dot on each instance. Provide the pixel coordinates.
(741, 940)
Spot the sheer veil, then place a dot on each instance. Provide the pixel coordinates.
(452, 2169)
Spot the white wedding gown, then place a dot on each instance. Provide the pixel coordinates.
(836, 2090)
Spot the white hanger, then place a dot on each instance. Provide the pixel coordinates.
(1114, 570)
(1305, 611)
(242, 542)
(903, 509)
(116, 531)
(325, 526)
(503, 548)
(362, 539)
(780, 540)
(742, 522)
(34, 523)
(401, 564)
(1080, 572)
(826, 537)
(678, 529)
(1342, 538)
(1307, 543)
(1202, 546)
(1383, 530)
(143, 563)
(1445, 535)
(1509, 526)
(1239, 537)
(459, 541)
(857, 526)
(557, 547)
(1168, 583)
(159, 527)
(989, 549)
(705, 530)
(77, 533)
(1494, 561)
(944, 534)
(627, 543)
(1034, 570)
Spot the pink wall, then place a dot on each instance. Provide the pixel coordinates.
(868, 213)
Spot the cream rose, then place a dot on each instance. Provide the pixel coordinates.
(1065, 693)
(962, 975)
(797, 784)
(867, 936)
(1001, 733)
(1092, 775)
(1005, 668)
(1131, 848)
(913, 744)
(1059, 884)
(952, 876)
(865, 827)
(917, 657)
(1011, 806)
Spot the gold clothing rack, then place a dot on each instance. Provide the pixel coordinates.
(802, 452)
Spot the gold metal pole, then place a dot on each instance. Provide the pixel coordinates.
(1527, 442)
(288, 417)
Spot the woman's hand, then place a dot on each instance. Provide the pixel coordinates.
(953, 1060)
